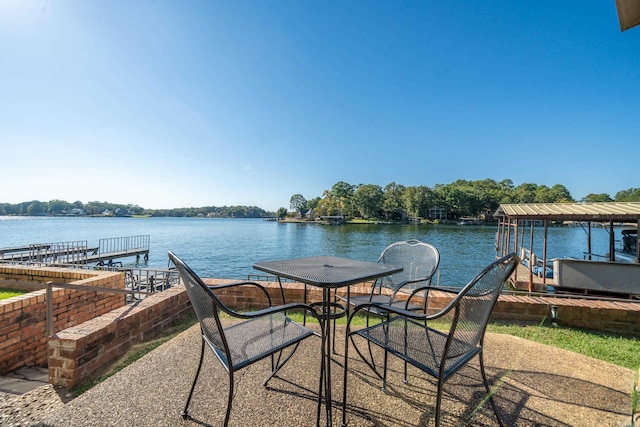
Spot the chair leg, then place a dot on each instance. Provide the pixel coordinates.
(344, 382)
(386, 357)
(439, 400)
(406, 352)
(323, 372)
(489, 393)
(276, 366)
(193, 386)
(384, 376)
(229, 399)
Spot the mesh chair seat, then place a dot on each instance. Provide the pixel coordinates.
(406, 339)
(255, 339)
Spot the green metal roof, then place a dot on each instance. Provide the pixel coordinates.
(609, 211)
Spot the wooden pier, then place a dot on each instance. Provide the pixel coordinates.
(79, 252)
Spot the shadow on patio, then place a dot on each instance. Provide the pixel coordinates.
(537, 386)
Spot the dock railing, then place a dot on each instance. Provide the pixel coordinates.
(73, 252)
(130, 244)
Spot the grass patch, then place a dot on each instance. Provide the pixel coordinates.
(612, 348)
(10, 293)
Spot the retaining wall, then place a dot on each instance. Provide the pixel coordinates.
(83, 351)
(79, 352)
(23, 340)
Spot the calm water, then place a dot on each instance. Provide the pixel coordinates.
(228, 247)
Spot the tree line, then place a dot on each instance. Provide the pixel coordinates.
(458, 199)
(393, 202)
(62, 208)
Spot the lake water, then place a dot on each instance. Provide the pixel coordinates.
(227, 248)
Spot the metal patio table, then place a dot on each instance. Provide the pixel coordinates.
(328, 273)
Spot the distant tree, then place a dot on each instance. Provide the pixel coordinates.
(630, 195)
(281, 213)
(525, 193)
(313, 203)
(417, 201)
(134, 209)
(368, 200)
(297, 202)
(36, 208)
(561, 194)
(344, 194)
(491, 193)
(602, 197)
(543, 194)
(458, 198)
(329, 204)
(57, 207)
(392, 205)
(507, 183)
(96, 208)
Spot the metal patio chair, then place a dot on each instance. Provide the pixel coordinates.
(419, 262)
(407, 335)
(260, 334)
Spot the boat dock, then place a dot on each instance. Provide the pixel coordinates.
(615, 272)
(80, 252)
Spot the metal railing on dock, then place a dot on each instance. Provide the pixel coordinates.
(74, 252)
(79, 252)
(119, 247)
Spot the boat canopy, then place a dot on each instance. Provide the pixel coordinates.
(512, 219)
(602, 211)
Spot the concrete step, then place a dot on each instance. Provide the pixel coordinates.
(24, 380)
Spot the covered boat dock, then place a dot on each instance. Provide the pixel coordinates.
(514, 220)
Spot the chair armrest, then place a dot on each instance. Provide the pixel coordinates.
(213, 288)
(272, 310)
(435, 288)
(405, 313)
(399, 287)
(426, 289)
(387, 308)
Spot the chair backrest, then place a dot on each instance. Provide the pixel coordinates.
(418, 260)
(206, 305)
(474, 303)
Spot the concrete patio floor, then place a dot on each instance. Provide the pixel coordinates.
(538, 385)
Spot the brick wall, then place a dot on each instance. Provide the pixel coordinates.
(83, 351)
(23, 318)
(80, 352)
(607, 316)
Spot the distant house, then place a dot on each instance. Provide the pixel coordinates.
(304, 213)
(437, 213)
(311, 214)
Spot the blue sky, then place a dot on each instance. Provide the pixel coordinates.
(170, 104)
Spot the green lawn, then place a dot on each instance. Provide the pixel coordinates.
(9, 293)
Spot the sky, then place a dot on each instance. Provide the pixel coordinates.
(170, 104)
